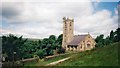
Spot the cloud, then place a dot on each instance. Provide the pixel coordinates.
(10, 9)
(59, 0)
(41, 19)
(101, 22)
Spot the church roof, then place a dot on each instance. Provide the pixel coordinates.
(77, 39)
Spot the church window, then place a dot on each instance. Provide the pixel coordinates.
(88, 45)
(80, 46)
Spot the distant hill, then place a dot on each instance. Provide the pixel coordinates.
(32, 39)
(105, 56)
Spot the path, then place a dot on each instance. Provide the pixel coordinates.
(56, 62)
(49, 57)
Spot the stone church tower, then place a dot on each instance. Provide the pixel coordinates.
(68, 31)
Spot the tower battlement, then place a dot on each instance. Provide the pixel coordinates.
(68, 19)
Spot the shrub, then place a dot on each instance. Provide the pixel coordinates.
(61, 50)
(41, 54)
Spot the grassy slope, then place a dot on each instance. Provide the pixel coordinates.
(105, 56)
(42, 62)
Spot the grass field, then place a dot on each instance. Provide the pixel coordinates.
(105, 56)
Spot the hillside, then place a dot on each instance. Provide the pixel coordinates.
(105, 56)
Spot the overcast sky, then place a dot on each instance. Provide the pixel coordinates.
(39, 19)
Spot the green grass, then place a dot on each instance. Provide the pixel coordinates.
(42, 62)
(105, 56)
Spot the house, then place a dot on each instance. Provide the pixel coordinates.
(73, 42)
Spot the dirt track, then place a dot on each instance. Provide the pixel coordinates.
(56, 62)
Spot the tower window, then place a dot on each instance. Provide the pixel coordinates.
(65, 22)
(70, 23)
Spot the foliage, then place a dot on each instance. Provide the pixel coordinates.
(61, 50)
(28, 48)
(111, 35)
(117, 35)
(99, 40)
(114, 37)
(59, 39)
(41, 53)
(11, 45)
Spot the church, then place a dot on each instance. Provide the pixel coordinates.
(73, 42)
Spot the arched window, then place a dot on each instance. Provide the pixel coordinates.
(88, 45)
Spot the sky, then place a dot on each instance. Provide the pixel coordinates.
(41, 18)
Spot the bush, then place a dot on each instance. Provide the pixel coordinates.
(93, 49)
(41, 54)
(51, 52)
(61, 50)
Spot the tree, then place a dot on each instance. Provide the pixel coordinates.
(41, 53)
(52, 42)
(45, 41)
(100, 41)
(59, 39)
(11, 45)
(107, 41)
(117, 35)
(59, 44)
(48, 49)
(52, 37)
(112, 35)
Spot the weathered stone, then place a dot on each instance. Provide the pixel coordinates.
(73, 42)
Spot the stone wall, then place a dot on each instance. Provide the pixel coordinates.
(84, 43)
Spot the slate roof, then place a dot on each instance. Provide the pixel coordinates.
(77, 39)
